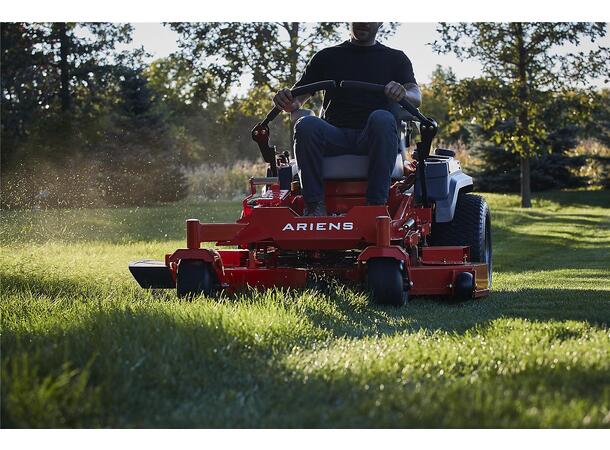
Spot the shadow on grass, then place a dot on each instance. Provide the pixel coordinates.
(596, 198)
(150, 362)
(536, 397)
(585, 245)
(439, 314)
(153, 368)
(55, 286)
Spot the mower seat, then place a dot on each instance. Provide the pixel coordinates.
(354, 166)
(347, 167)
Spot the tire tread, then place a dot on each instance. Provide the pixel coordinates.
(466, 228)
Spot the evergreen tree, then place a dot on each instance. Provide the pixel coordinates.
(140, 155)
(497, 170)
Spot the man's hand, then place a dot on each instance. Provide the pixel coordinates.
(409, 91)
(395, 91)
(284, 100)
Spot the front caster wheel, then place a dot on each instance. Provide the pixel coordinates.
(464, 286)
(385, 282)
(194, 278)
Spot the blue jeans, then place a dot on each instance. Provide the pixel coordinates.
(315, 138)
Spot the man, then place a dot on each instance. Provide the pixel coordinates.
(353, 121)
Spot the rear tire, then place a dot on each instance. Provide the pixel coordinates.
(385, 282)
(194, 278)
(471, 225)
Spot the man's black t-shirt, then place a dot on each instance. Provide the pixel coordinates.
(350, 108)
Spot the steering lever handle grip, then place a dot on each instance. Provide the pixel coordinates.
(298, 91)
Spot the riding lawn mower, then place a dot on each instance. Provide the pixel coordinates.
(431, 238)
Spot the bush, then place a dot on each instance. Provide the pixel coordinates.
(497, 170)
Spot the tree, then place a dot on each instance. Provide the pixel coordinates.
(25, 82)
(521, 66)
(80, 123)
(54, 73)
(273, 53)
(598, 127)
(439, 103)
(496, 170)
(212, 128)
(567, 115)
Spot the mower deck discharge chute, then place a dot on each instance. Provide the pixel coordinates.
(432, 237)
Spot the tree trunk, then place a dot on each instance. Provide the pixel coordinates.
(524, 119)
(293, 56)
(526, 191)
(64, 68)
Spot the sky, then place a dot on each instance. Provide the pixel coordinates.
(412, 38)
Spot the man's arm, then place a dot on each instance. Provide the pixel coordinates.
(406, 87)
(413, 94)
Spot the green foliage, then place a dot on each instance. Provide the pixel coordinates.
(496, 170)
(273, 53)
(56, 68)
(598, 127)
(139, 154)
(85, 124)
(178, 85)
(596, 170)
(534, 354)
(568, 119)
(20, 101)
(523, 73)
(571, 116)
(211, 128)
(125, 156)
(439, 102)
(90, 132)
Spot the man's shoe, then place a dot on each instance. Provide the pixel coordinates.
(315, 209)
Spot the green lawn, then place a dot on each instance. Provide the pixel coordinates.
(83, 346)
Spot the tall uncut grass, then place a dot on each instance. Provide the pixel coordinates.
(215, 181)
